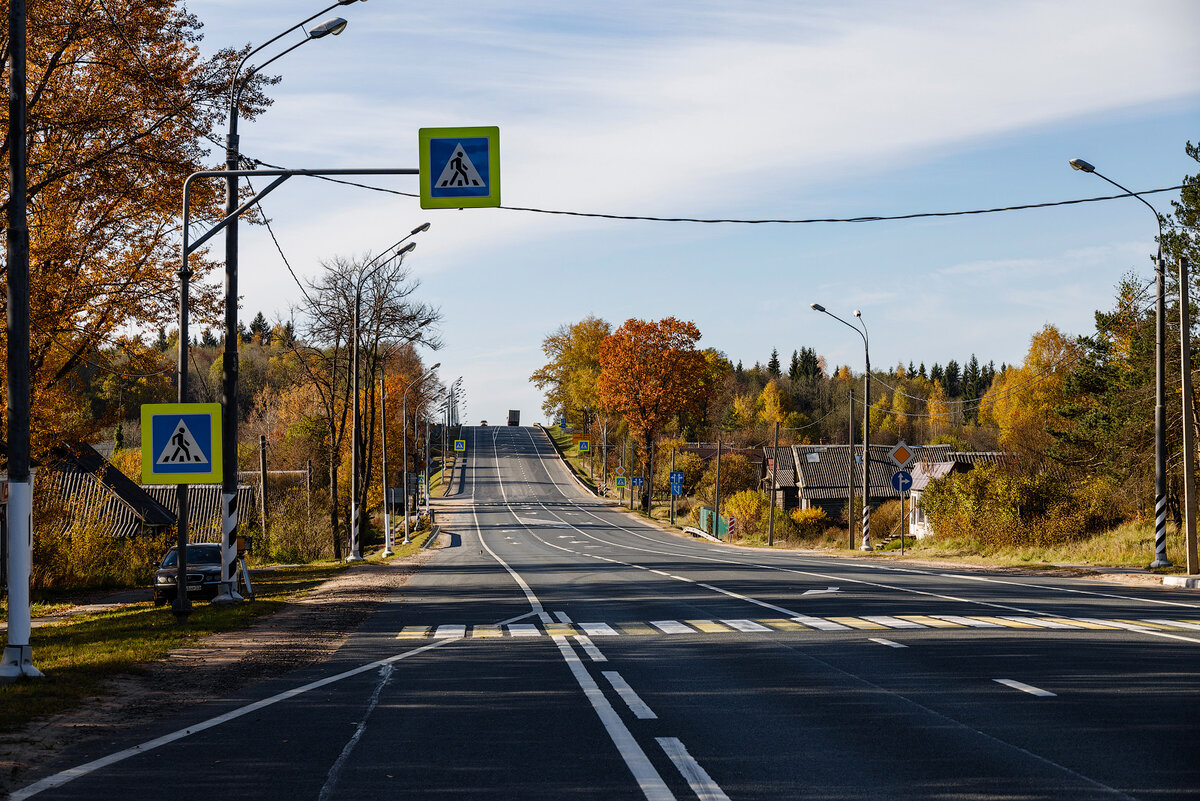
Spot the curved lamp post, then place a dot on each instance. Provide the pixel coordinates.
(366, 272)
(388, 539)
(866, 467)
(1160, 356)
(404, 439)
(229, 361)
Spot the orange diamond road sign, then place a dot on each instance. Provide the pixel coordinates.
(901, 454)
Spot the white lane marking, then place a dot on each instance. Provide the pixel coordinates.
(563, 617)
(892, 622)
(697, 778)
(1025, 688)
(450, 631)
(819, 623)
(968, 621)
(524, 630)
(598, 630)
(636, 705)
(335, 771)
(590, 648)
(763, 604)
(672, 627)
(643, 770)
(825, 591)
(59, 779)
(888, 643)
(661, 573)
(744, 625)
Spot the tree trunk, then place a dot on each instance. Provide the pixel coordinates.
(333, 497)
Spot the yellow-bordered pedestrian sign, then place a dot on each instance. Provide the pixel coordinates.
(181, 443)
(460, 167)
(460, 445)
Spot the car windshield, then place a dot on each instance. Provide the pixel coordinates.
(197, 555)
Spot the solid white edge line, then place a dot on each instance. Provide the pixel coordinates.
(1025, 688)
(637, 706)
(335, 772)
(59, 779)
(697, 777)
(643, 770)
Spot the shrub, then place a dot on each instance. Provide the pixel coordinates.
(810, 522)
(749, 508)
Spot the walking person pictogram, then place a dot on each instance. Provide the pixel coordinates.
(179, 440)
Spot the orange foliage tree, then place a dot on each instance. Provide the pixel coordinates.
(649, 372)
(120, 104)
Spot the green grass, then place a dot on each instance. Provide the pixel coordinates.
(565, 444)
(80, 653)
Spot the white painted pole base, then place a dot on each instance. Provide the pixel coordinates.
(17, 661)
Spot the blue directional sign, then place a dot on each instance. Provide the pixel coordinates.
(676, 476)
(901, 480)
(584, 446)
(619, 481)
(460, 167)
(676, 489)
(181, 443)
(639, 481)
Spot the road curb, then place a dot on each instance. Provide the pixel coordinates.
(566, 464)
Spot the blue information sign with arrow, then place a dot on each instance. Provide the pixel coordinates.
(901, 480)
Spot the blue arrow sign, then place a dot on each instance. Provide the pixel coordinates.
(676, 476)
(676, 489)
(901, 480)
(639, 481)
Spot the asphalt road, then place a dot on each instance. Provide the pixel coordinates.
(562, 649)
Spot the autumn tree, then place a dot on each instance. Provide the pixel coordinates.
(650, 372)
(121, 108)
(569, 376)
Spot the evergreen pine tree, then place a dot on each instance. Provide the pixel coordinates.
(773, 364)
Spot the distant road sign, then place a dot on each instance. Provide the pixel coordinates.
(901, 454)
(676, 489)
(181, 443)
(460, 445)
(619, 481)
(639, 481)
(676, 476)
(901, 480)
(460, 167)
(620, 470)
(584, 446)
(420, 478)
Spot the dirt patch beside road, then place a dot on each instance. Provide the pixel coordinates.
(309, 629)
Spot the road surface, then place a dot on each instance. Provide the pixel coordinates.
(562, 649)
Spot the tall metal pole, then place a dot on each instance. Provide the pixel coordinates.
(404, 439)
(262, 484)
(355, 533)
(866, 515)
(387, 507)
(1189, 445)
(1160, 382)
(773, 467)
(182, 605)
(717, 495)
(673, 450)
(18, 653)
(850, 495)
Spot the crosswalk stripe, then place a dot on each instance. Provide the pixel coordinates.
(524, 630)
(450, 631)
(783, 624)
(745, 625)
(672, 627)
(1144, 624)
(709, 626)
(819, 623)
(411, 632)
(486, 632)
(856, 623)
(931, 622)
(598, 629)
(892, 622)
(560, 629)
(1047, 623)
(636, 629)
(1176, 624)
(974, 623)
(1006, 623)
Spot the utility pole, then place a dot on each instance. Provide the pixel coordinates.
(717, 492)
(850, 495)
(773, 467)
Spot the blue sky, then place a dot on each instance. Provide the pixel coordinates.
(742, 110)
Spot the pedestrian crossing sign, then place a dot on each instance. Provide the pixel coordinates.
(181, 443)
(460, 167)
(460, 445)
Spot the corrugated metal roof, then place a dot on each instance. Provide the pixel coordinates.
(204, 507)
(823, 471)
(784, 466)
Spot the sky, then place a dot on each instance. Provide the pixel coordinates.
(795, 109)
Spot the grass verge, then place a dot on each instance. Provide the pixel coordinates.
(80, 653)
(566, 445)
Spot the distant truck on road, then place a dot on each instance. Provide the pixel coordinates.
(514, 417)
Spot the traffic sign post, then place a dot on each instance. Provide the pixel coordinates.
(181, 443)
(902, 483)
(584, 446)
(460, 167)
(460, 445)
(619, 481)
(639, 481)
(901, 454)
(676, 489)
(676, 476)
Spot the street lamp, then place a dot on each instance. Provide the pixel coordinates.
(355, 434)
(866, 469)
(404, 439)
(229, 362)
(1160, 391)
(387, 507)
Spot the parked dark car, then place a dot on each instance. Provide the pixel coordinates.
(203, 573)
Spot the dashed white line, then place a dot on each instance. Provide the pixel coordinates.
(590, 648)
(1025, 688)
